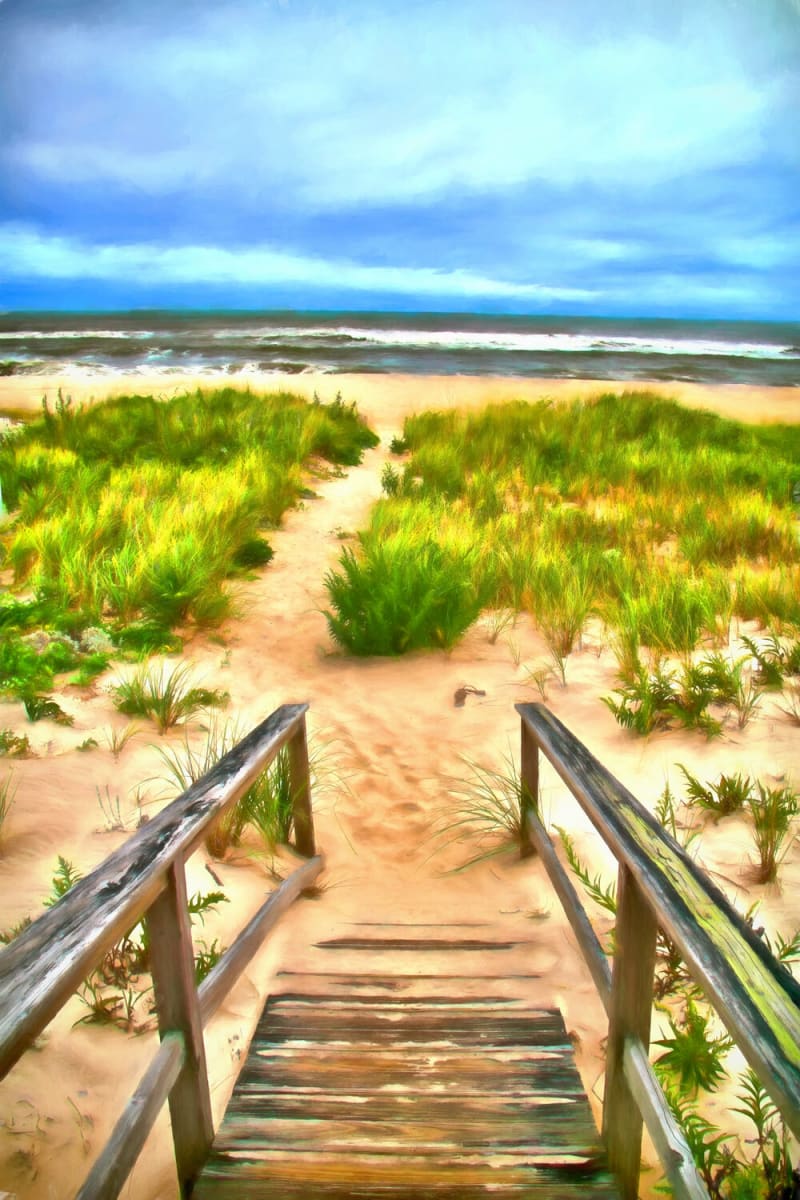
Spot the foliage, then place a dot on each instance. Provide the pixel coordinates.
(772, 811)
(164, 695)
(40, 708)
(13, 745)
(668, 522)
(7, 791)
(65, 877)
(604, 894)
(730, 793)
(693, 1057)
(400, 596)
(142, 509)
(487, 807)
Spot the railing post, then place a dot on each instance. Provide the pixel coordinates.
(529, 789)
(172, 964)
(301, 792)
(631, 1006)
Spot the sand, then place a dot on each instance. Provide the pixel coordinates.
(395, 741)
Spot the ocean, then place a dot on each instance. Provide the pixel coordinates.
(231, 343)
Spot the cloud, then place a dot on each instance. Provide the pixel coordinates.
(28, 254)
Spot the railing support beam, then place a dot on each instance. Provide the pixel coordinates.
(631, 1006)
(529, 789)
(301, 792)
(172, 965)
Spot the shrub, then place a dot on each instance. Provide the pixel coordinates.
(693, 1057)
(730, 794)
(164, 695)
(397, 596)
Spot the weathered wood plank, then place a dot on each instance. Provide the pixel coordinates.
(415, 945)
(446, 1115)
(224, 974)
(576, 913)
(172, 967)
(116, 1159)
(529, 790)
(301, 792)
(668, 1139)
(756, 997)
(46, 963)
(629, 1017)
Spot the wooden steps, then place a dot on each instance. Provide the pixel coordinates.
(377, 1096)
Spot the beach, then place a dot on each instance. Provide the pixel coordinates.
(394, 741)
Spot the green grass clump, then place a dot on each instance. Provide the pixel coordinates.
(166, 695)
(140, 510)
(772, 811)
(666, 522)
(399, 596)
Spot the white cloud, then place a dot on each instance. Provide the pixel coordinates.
(26, 254)
(325, 111)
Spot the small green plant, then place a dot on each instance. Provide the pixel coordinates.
(117, 739)
(773, 661)
(13, 745)
(390, 480)
(205, 959)
(7, 792)
(398, 445)
(65, 877)
(487, 807)
(603, 894)
(90, 667)
(730, 794)
(86, 745)
(41, 708)
(772, 811)
(269, 804)
(165, 695)
(111, 808)
(693, 1057)
(772, 1153)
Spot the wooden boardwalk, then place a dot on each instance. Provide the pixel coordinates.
(351, 1089)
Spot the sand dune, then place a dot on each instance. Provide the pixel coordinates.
(394, 734)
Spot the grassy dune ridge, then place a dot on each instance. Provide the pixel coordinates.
(142, 509)
(663, 521)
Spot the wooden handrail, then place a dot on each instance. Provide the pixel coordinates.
(41, 968)
(756, 996)
(145, 879)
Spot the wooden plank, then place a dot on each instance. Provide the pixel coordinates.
(417, 945)
(45, 964)
(172, 967)
(673, 1151)
(116, 1159)
(576, 914)
(301, 792)
(629, 1017)
(756, 996)
(529, 790)
(224, 974)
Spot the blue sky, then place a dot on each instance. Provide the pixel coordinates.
(619, 158)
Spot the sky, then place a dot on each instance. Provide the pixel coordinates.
(623, 158)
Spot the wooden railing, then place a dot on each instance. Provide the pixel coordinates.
(145, 879)
(659, 887)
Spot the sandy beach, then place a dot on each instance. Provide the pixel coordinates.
(395, 740)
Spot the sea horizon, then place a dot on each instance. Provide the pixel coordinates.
(231, 341)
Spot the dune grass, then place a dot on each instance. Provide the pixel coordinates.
(137, 511)
(666, 522)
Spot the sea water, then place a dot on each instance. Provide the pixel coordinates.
(220, 343)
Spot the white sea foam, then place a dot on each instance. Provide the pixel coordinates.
(532, 343)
